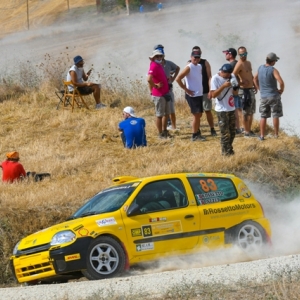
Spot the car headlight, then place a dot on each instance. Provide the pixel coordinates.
(15, 250)
(62, 237)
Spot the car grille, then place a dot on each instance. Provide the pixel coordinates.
(33, 250)
(34, 269)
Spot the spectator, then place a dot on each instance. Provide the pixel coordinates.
(78, 77)
(159, 90)
(12, 170)
(266, 80)
(222, 90)
(133, 129)
(243, 71)
(230, 55)
(141, 8)
(192, 75)
(207, 103)
(171, 71)
(159, 6)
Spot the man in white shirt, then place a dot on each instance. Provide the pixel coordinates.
(223, 86)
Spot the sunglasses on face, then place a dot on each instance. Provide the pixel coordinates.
(159, 56)
(243, 54)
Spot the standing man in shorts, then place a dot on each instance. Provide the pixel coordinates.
(159, 89)
(171, 70)
(79, 79)
(192, 75)
(230, 55)
(207, 103)
(266, 80)
(243, 71)
(222, 91)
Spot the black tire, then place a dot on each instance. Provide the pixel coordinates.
(106, 258)
(250, 237)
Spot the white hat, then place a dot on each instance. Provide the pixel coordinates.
(129, 110)
(156, 52)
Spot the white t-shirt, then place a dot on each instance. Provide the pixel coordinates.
(79, 73)
(227, 102)
(193, 80)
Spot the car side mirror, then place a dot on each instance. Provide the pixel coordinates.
(133, 210)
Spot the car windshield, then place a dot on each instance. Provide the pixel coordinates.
(106, 201)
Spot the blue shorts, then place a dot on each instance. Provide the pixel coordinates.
(237, 101)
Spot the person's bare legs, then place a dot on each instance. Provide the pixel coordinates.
(173, 120)
(250, 121)
(196, 122)
(262, 125)
(96, 93)
(210, 118)
(246, 123)
(164, 122)
(159, 124)
(276, 126)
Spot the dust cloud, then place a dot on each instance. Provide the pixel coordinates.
(126, 41)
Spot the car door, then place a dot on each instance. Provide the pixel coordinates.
(166, 220)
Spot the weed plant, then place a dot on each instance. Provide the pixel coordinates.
(83, 150)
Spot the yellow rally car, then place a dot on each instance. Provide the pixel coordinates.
(144, 219)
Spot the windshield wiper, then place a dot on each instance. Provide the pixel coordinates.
(89, 213)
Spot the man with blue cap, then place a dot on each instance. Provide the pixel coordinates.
(79, 79)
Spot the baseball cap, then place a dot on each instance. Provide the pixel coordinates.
(196, 53)
(158, 46)
(156, 52)
(129, 110)
(231, 51)
(13, 154)
(272, 56)
(77, 59)
(227, 68)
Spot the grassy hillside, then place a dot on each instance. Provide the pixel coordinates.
(71, 147)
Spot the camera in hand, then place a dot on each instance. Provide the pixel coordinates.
(234, 83)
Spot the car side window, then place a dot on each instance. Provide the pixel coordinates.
(209, 190)
(161, 195)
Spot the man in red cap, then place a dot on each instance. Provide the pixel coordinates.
(12, 169)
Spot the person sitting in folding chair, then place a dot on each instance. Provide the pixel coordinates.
(78, 77)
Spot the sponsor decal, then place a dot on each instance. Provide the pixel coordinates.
(144, 247)
(157, 219)
(83, 232)
(244, 191)
(211, 197)
(228, 209)
(166, 228)
(135, 184)
(206, 239)
(70, 257)
(125, 208)
(106, 222)
(136, 232)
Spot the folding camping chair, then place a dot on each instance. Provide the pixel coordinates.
(72, 97)
(60, 94)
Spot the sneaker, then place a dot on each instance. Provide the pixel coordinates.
(238, 131)
(161, 136)
(213, 132)
(242, 129)
(172, 129)
(261, 138)
(166, 134)
(246, 135)
(198, 138)
(100, 105)
(252, 134)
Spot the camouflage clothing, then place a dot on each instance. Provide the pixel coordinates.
(227, 128)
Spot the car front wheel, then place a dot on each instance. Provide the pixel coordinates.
(105, 259)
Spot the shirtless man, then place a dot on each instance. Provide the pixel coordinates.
(243, 70)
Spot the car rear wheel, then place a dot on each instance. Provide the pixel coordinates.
(250, 237)
(105, 259)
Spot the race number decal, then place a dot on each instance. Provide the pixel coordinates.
(208, 185)
(147, 231)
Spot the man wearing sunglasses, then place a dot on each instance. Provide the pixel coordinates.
(266, 80)
(171, 71)
(243, 71)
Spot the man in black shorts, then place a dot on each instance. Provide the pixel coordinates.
(192, 75)
(78, 77)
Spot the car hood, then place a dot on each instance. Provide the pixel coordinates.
(45, 236)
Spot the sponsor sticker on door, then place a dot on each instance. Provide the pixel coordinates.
(106, 222)
(144, 247)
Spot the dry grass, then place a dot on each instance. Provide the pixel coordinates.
(70, 146)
